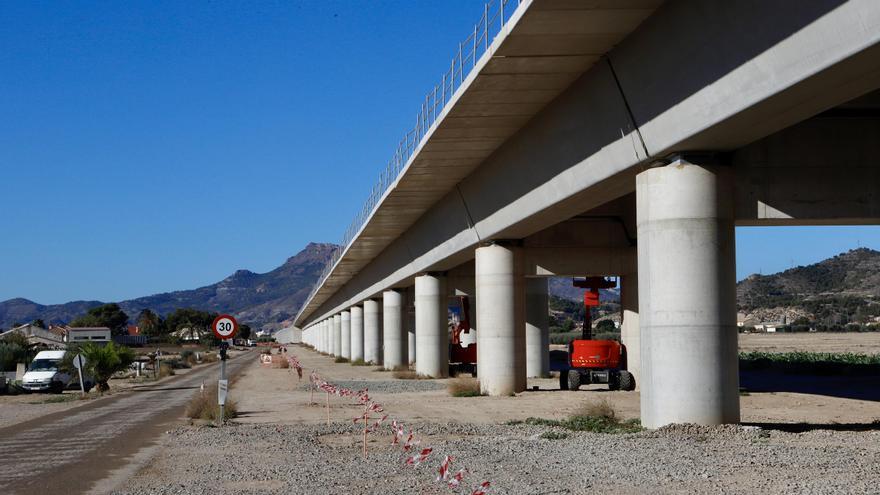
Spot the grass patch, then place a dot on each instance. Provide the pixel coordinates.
(209, 357)
(359, 362)
(407, 374)
(464, 387)
(204, 406)
(340, 359)
(595, 417)
(57, 399)
(554, 435)
(812, 363)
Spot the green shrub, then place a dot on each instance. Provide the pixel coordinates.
(597, 417)
(340, 359)
(813, 363)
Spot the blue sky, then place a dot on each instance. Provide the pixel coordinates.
(155, 146)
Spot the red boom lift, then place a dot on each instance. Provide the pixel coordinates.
(595, 361)
(463, 346)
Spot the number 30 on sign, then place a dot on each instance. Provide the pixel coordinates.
(225, 327)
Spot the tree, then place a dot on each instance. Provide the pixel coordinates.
(151, 324)
(102, 361)
(605, 326)
(244, 331)
(197, 322)
(39, 323)
(568, 325)
(108, 315)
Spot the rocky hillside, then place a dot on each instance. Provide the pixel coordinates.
(839, 290)
(259, 299)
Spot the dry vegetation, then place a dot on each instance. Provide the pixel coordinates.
(165, 369)
(204, 406)
(463, 386)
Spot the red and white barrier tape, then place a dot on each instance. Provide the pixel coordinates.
(397, 430)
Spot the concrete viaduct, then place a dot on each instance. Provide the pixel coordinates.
(610, 137)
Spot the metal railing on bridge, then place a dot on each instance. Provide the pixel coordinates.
(496, 13)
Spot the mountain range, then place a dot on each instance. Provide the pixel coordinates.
(830, 291)
(838, 290)
(260, 299)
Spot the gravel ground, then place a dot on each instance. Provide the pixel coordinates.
(388, 386)
(244, 459)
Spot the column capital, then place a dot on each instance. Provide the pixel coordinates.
(698, 157)
(502, 242)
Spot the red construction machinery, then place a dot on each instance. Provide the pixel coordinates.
(595, 361)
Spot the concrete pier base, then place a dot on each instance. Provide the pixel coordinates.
(432, 333)
(357, 333)
(393, 330)
(537, 328)
(500, 304)
(687, 295)
(372, 332)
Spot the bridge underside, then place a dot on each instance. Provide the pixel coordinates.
(640, 168)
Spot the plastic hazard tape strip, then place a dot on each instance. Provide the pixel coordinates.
(398, 433)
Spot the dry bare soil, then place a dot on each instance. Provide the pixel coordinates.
(825, 441)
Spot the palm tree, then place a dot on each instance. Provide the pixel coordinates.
(102, 361)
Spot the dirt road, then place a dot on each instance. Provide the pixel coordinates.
(68, 451)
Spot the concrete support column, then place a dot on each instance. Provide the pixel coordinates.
(322, 337)
(410, 319)
(687, 295)
(629, 324)
(328, 335)
(345, 346)
(501, 338)
(432, 332)
(336, 335)
(357, 333)
(372, 332)
(325, 330)
(394, 331)
(537, 328)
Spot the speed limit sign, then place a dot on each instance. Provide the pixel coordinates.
(225, 327)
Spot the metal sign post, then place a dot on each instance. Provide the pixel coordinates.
(225, 327)
(222, 384)
(78, 363)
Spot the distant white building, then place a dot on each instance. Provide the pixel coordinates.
(37, 336)
(81, 335)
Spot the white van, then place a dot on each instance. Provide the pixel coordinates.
(44, 375)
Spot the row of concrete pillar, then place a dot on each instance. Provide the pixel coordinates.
(680, 329)
(506, 358)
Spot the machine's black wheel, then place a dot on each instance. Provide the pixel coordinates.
(627, 381)
(563, 380)
(574, 379)
(614, 381)
(56, 388)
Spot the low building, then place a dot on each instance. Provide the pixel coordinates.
(36, 336)
(81, 335)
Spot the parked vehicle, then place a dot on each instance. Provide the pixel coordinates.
(595, 361)
(45, 374)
